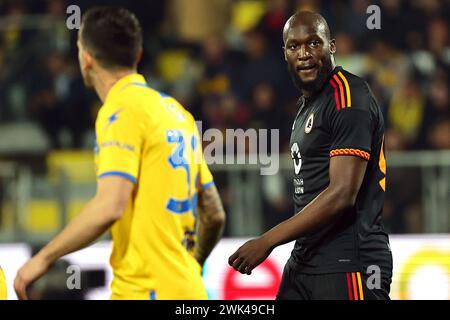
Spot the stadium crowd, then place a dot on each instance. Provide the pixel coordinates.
(223, 60)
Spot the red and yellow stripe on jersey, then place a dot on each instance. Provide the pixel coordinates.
(343, 99)
(355, 286)
(342, 94)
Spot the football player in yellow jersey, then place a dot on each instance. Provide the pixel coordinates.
(2, 285)
(154, 187)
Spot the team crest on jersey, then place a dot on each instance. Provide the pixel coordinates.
(309, 123)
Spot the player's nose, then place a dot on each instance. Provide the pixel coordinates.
(303, 54)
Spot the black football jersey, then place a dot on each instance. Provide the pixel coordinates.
(342, 119)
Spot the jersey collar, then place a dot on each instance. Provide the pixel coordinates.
(134, 78)
(335, 70)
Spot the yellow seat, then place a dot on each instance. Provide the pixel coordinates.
(43, 216)
(78, 166)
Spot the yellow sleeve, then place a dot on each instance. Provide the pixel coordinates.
(119, 139)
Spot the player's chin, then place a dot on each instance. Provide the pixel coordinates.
(308, 78)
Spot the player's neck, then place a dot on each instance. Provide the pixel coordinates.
(105, 80)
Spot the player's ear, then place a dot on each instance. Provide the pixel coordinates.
(333, 46)
(88, 59)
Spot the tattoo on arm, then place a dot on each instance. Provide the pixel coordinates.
(210, 224)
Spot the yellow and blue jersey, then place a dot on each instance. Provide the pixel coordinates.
(148, 138)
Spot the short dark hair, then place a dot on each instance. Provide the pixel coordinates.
(113, 35)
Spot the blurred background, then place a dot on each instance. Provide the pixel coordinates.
(223, 60)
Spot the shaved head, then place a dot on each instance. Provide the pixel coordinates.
(316, 20)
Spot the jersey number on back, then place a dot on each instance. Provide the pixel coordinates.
(177, 160)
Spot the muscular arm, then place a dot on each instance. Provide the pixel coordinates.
(211, 223)
(346, 176)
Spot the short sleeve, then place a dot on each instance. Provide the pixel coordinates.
(119, 142)
(351, 132)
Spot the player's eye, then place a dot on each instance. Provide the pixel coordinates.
(292, 46)
(314, 43)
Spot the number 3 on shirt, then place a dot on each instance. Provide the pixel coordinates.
(177, 160)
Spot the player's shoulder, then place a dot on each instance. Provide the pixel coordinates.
(137, 99)
(135, 95)
(358, 85)
(144, 102)
(173, 103)
(348, 91)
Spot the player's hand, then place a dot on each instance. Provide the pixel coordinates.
(30, 272)
(250, 255)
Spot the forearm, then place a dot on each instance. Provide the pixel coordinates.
(207, 238)
(85, 228)
(211, 224)
(321, 211)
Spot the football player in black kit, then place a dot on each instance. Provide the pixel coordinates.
(337, 145)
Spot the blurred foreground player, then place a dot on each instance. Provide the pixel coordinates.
(3, 291)
(342, 250)
(153, 182)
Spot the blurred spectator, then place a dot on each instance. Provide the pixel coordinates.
(439, 135)
(266, 113)
(219, 73)
(13, 35)
(388, 67)
(192, 20)
(392, 16)
(234, 114)
(59, 102)
(261, 65)
(272, 23)
(219, 78)
(348, 19)
(264, 108)
(406, 111)
(13, 60)
(49, 95)
(438, 37)
(436, 111)
(56, 9)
